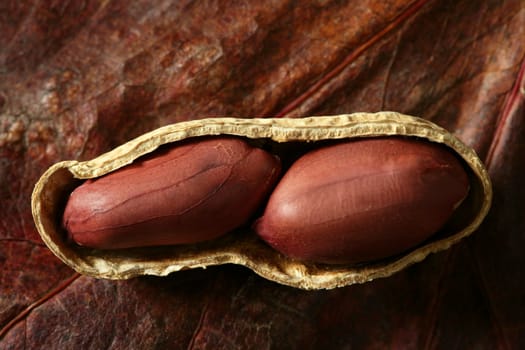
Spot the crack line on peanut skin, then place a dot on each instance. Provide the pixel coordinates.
(160, 189)
(192, 207)
(96, 212)
(134, 166)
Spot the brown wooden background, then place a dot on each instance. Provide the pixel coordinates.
(80, 77)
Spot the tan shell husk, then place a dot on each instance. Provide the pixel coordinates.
(243, 247)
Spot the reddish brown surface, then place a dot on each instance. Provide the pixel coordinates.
(78, 78)
(362, 200)
(221, 179)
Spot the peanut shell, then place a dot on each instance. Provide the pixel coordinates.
(243, 247)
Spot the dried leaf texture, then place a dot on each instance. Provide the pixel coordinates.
(77, 79)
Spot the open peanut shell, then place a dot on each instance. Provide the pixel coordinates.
(243, 247)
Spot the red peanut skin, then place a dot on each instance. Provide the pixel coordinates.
(193, 192)
(363, 200)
